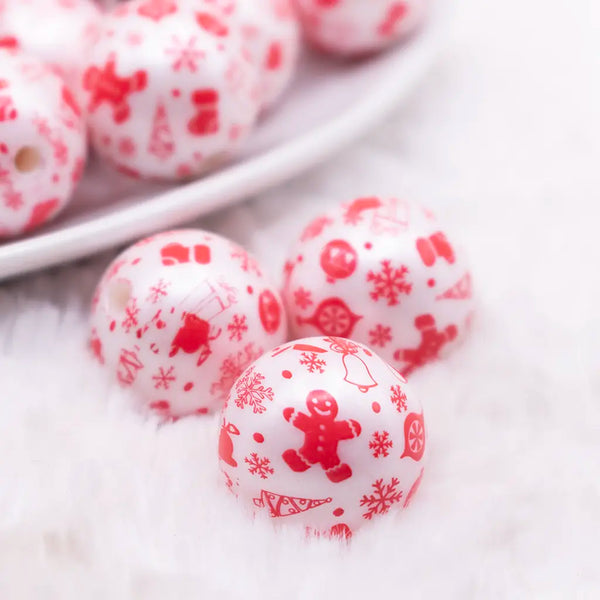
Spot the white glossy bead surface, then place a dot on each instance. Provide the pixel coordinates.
(177, 317)
(322, 433)
(351, 27)
(42, 143)
(382, 272)
(172, 91)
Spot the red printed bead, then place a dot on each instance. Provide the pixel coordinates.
(42, 143)
(323, 457)
(382, 272)
(271, 32)
(351, 27)
(172, 91)
(173, 321)
(59, 32)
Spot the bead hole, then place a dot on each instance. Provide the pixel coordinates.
(119, 295)
(27, 159)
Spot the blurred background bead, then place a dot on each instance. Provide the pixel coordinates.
(42, 143)
(382, 272)
(172, 92)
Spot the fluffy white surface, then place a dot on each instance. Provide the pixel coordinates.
(503, 141)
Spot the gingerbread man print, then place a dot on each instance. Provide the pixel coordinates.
(322, 433)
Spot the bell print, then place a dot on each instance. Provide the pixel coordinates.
(357, 373)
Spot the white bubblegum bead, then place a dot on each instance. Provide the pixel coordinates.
(384, 273)
(172, 90)
(42, 143)
(59, 32)
(351, 27)
(177, 317)
(272, 34)
(323, 433)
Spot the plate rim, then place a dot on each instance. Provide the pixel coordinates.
(236, 182)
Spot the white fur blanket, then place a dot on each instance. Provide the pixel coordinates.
(502, 140)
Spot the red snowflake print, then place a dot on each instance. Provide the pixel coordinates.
(249, 391)
(231, 368)
(380, 444)
(380, 335)
(163, 378)
(185, 54)
(237, 328)
(312, 362)
(259, 466)
(131, 315)
(398, 398)
(382, 498)
(302, 298)
(13, 200)
(157, 291)
(247, 262)
(389, 283)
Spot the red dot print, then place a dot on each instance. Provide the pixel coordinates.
(112, 325)
(250, 289)
(431, 282)
(376, 407)
(338, 512)
(259, 437)
(368, 352)
(188, 386)
(202, 411)
(160, 324)
(56, 178)
(135, 261)
(287, 374)
(175, 93)
(300, 258)
(368, 245)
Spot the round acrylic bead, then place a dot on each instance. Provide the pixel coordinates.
(382, 272)
(42, 143)
(322, 433)
(59, 32)
(350, 27)
(172, 91)
(271, 32)
(177, 317)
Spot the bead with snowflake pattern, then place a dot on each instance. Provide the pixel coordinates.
(178, 316)
(382, 272)
(59, 32)
(323, 433)
(270, 29)
(352, 27)
(172, 89)
(42, 143)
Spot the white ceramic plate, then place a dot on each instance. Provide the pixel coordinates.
(330, 104)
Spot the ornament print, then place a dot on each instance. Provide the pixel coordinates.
(176, 319)
(380, 271)
(323, 432)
